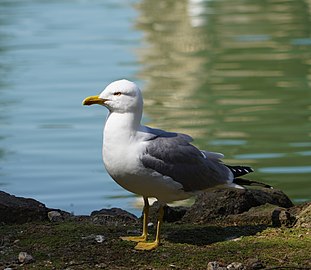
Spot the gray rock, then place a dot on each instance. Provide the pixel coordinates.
(304, 216)
(95, 237)
(113, 216)
(55, 216)
(254, 264)
(215, 266)
(267, 214)
(25, 258)
(171, 214)
(282, 217)
(220, 203)
(236, 266)
(20, 210)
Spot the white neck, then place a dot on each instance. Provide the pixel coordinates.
(120, 133)
(121, 125)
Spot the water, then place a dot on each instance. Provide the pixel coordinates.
(235, 77)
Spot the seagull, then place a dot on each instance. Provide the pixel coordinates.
(155, 163)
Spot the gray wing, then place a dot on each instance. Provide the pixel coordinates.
(172, 155)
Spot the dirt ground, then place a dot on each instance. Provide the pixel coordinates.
(80, 243)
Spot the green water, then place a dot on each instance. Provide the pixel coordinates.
(235, 75)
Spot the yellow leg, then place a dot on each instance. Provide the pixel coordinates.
(143, 237)
(156, 243)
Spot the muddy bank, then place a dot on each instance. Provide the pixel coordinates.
(243, 235)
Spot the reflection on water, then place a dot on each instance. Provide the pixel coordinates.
(52, 55)
(236, 77)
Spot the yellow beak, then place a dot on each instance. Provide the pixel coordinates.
(94, 100)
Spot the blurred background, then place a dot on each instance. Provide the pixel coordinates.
(235, 76)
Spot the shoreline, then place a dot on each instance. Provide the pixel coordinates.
(194, 239)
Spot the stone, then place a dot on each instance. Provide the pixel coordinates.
(254, 264)
(267, 214)
(113, 216)
(95, 237)
(25, 258)
(282, 217)
(236, 266)
(171, 214)
(219, 203)
(215, 266)
(256, 215)
(100, 238)
(20, 210)
(304, 216)
(55, 216)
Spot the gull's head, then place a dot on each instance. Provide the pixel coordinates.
(120, 96)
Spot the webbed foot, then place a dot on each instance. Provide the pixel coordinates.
(142, 238)
(146, 245)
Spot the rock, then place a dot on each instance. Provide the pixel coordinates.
(150, 224)
(256, 215)
(20, 210)
(236, 266)
(267, 214)
(95, 237)
(282, 217)
(171, 214)
(215, 266)
(304, 216)
(55, 216)
(219, 203)
(254, 264)
(100, 238)
(272, 196)
(25, 258)
(113, 216)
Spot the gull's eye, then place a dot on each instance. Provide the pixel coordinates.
(117, 93)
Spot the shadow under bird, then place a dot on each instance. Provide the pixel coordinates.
(155, 163)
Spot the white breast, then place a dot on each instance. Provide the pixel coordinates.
(122, 149)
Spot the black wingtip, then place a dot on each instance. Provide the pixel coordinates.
(240, 170)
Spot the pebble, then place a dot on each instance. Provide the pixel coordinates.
(97, 237)
(55, 216)
(133, 232)
(24, 257)
(235, 266)
(150, 225)
(232, 266)
(215, 266)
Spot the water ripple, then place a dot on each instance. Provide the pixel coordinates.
(286, 170)
(259, 155)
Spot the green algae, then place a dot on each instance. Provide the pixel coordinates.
(70, 245)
